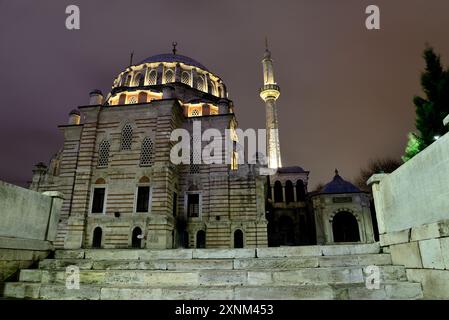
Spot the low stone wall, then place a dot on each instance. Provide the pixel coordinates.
(412, 209)
(28, 222)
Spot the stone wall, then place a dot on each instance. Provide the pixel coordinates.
(27, 228)
(412, 208)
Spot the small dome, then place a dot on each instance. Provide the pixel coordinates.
(339, 185)
(170, 57)
(75, 111)
(96, 91)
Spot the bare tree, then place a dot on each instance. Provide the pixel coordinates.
(379, 165)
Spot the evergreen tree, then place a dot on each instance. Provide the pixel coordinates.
(431, 110)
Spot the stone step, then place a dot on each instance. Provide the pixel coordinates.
(278, 252)
(220, 264)
(398, 290)
(335, 275)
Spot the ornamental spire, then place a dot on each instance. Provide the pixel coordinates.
(174, 44)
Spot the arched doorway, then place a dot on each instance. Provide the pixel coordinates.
(97, 235)
(345, 227)
(201, 239)
(286, 231)
(136, 240)
(185, 239)
(238, 238)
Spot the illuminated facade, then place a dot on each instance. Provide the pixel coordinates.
(122, 190)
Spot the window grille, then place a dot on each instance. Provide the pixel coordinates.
(127, 137)
(132, 100)
(169, 76)
(152, 77)
(195, 159)
(147, 152)
(200, 83)
(185, 78)
(103, 154)
(195, 113)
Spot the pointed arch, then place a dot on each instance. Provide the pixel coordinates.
(185, 78)
(126, 137)
(169, 76)
(152, 77)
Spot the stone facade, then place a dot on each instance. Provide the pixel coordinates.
(122, 189)
(227, 197)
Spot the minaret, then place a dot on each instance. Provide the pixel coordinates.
(269, 93)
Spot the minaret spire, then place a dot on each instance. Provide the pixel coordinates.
(270, 93)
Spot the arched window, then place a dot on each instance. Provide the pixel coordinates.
(201, 239)
(185, 78)
(139, 80)
(122, 99)
(289, 192)
(300, 191)
(238, 238)
(142, 97)
(169, 76)
(136, 240)
(345, 227)
(152, 77)
(103, 153)
(127, 137)
(147, 152)
(128, 80)
(96, 239)
(200, 83)
(278, 196)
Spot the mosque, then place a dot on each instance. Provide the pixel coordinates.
(121, 190)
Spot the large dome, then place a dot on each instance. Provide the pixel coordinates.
(170, 57)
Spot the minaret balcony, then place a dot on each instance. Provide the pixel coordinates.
(270, 91)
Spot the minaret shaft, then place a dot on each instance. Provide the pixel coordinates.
(269, 94)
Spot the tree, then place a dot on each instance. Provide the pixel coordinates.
(380, 165)
(431, 110)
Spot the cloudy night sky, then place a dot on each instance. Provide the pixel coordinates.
(346, 91)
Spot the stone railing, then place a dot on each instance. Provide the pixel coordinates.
(28, 223)
(412, 209)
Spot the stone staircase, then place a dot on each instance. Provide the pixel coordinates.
(309, 272)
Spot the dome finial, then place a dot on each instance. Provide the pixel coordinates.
(174, 44)
(267, 51)
(336, 172)
(131, 58)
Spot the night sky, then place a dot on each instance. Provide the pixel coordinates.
(346, 91)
